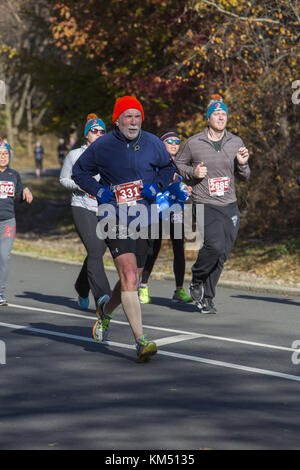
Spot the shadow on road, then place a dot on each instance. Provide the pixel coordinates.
(44, 330)
(163, 302)
(267, 299)
(53, 299)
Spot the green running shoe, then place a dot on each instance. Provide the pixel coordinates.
(100, 328)
(181, 296)
(145, 349)
(144, 296)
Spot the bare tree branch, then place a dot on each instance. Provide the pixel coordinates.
(234, 15)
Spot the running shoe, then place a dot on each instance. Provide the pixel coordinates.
(3, 301)
(145, 349)
(197, 291)
(208, 306)
(100, 328)
(144, 296)
(83, 302)
(181, 296)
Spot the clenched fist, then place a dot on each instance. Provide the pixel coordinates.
(200, 171)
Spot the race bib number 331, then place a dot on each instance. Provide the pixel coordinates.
(128, 193)
(218, 186)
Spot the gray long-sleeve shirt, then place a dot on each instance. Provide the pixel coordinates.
(218, 186)
(79, 198)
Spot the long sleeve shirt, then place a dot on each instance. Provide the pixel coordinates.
(80, 198)
(218, 186)
(11, 190)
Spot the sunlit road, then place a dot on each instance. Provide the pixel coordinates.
(224, 381)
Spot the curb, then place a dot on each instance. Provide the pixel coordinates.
(247, 286)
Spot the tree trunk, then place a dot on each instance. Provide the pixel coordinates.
(29, 126)
(9, 120)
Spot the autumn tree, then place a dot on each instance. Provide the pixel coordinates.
(25, 37)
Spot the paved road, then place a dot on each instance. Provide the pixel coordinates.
(223, 381)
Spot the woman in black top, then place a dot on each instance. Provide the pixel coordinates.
(11, 189)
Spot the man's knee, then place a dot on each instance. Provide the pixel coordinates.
(128, 272)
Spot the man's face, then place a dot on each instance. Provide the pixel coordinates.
(218, 120)
(4, 159)
(130, 123)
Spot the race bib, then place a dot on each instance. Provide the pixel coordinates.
(218, 186)
(128, 193)
(7, 188)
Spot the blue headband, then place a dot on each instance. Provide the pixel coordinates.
(92, 123)
(217, 106)
(5, 145)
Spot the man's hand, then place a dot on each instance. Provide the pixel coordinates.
(27, 195)
(242, 156)
(200, 171)
(104, 195)
(150, 191)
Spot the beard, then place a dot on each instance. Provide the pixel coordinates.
(130, 132)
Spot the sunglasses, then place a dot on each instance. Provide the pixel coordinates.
(172, 141)
(97, 131)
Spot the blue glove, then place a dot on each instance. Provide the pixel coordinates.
(179, 191)
(104, 195)
(162, 201)
(150, 191)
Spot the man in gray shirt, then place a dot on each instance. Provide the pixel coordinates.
(212, 159)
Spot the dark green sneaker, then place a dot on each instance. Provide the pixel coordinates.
(181, 296)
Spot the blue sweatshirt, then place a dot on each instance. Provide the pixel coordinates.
(119, 160)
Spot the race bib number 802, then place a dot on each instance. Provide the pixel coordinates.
(7, 188)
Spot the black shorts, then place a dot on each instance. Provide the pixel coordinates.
(140, 247)
(38, 164)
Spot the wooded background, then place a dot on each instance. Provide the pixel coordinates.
(61, 60)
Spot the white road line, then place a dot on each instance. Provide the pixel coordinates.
(203, 360)
(158, 328)
(175, 339)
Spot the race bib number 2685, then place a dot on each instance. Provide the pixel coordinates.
(218, 186)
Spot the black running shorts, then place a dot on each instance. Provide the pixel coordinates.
(140, 247)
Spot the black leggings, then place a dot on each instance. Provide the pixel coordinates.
(178, 259)
(92, 275)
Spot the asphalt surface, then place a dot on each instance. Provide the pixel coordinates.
(224, 381)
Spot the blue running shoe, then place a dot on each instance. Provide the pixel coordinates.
(83, 302)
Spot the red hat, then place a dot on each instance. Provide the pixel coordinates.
(124, 103)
